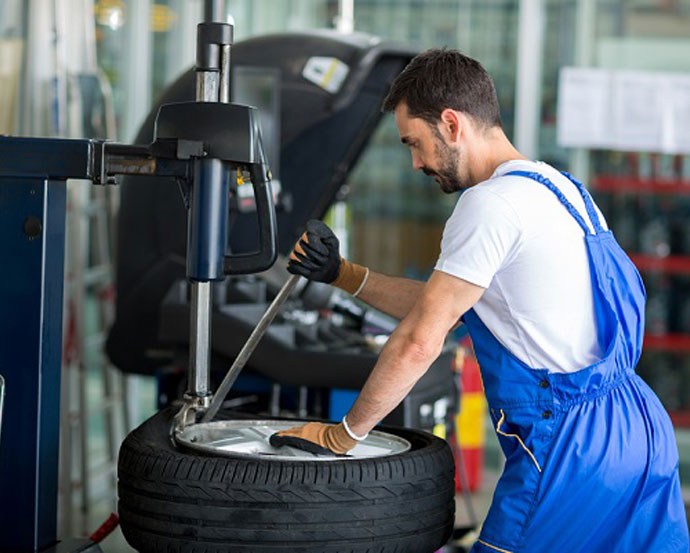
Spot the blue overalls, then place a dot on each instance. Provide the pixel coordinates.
(591, 458)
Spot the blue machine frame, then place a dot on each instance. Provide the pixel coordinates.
(33, 202)
(32, 231)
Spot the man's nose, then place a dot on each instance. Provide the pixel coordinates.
(417, 163)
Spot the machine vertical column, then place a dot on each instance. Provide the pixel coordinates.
(199, 344)
(214, 10)
(207, 238)
(32, 247)
(208, 213)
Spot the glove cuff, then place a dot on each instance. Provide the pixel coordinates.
(337, 439)
(350, 277)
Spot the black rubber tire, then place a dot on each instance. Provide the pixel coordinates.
(175, 501)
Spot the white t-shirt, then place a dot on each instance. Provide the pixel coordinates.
(512, 236)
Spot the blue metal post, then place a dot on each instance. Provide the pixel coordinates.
(32, 247)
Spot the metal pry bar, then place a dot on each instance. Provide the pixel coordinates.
(249, 347)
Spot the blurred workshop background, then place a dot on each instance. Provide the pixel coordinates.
(600, 88)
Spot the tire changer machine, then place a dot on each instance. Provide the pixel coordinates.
(206, 149)
(200, 146)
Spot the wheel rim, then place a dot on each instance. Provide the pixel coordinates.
(249, 438)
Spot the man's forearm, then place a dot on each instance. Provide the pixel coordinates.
(409, 352)
(393, 295)
(412, 347)
(400, 365)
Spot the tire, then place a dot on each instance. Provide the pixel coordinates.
(176, 501)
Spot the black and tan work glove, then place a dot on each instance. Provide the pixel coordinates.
(317, 257)
(333, 437)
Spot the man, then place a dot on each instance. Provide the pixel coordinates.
(555, 310)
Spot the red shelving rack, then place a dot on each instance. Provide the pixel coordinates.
(674, 342)
(672, 264)
(611, 183)
(681, 418)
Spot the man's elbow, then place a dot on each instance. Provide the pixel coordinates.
(417, 349)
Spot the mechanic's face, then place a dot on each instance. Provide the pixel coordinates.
(431, 152)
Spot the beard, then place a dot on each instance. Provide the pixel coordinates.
(448, 174)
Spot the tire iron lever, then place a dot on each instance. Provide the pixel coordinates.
(249, 347)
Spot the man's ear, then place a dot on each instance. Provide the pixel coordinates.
(451, 124)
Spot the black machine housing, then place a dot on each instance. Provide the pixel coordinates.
(322, 135)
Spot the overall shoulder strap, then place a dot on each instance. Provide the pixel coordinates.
(561, 197)
(589, 204)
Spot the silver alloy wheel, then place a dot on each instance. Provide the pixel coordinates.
(249, 438)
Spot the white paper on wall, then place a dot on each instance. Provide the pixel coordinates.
(584, 107)
(640, 111)
(678, 123)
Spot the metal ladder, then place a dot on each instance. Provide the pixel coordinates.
(89, 312)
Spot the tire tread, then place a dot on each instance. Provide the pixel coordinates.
(175, 501)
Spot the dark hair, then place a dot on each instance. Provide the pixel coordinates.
(440, 78)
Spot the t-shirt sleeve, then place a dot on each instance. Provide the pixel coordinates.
(481, 235)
